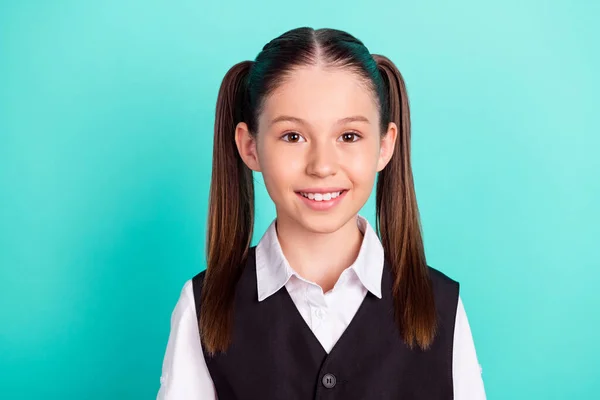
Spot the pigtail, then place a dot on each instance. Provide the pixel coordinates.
(398, 222)
(231, 214)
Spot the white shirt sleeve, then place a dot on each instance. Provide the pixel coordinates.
(184, 371)
(466, 371)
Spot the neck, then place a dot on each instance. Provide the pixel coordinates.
(316, 256)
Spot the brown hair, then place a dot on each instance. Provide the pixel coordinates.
(231, 205)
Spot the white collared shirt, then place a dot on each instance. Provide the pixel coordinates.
(184, 371)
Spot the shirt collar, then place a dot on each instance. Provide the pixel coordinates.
(273, 270)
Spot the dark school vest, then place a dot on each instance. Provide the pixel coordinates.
(274, 355)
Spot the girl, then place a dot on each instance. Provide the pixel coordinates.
(324, 306)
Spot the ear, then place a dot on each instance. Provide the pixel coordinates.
(387, 145)
(246, 145)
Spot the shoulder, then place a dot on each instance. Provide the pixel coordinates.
(186, 296)
(198, 280)
(184, 306)
(440, 278)
(186, 299)
(196, 284)
(446, 290)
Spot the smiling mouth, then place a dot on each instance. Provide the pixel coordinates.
(319, 197)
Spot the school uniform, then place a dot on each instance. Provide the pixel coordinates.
(292, 341)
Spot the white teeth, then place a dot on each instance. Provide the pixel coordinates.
(321, 196)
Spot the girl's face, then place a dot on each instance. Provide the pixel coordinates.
(319, 131)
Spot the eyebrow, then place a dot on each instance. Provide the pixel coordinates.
(346, 120)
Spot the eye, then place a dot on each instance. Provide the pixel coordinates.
(350, 134)
(294, 135)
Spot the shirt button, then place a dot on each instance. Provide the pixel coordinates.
(329, 381)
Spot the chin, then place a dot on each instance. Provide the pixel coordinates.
(323, 223)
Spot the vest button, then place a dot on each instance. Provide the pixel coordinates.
(329, 381)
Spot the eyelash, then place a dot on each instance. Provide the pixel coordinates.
(345, 133)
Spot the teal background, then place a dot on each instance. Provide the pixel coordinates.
(106, 124)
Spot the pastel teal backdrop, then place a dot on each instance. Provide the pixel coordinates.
(106, 124)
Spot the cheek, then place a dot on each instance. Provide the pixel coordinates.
(362, 173)
(361, 166)
(280, 170)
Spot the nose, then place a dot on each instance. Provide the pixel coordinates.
(322, 160)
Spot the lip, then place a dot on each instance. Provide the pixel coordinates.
(325, 205)
(321, 190)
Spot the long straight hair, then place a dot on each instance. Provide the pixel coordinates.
(231, 206)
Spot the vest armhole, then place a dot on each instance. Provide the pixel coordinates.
(447, 292)
(197, 282)
(441, 281)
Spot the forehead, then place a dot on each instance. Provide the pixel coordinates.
(320, 96)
